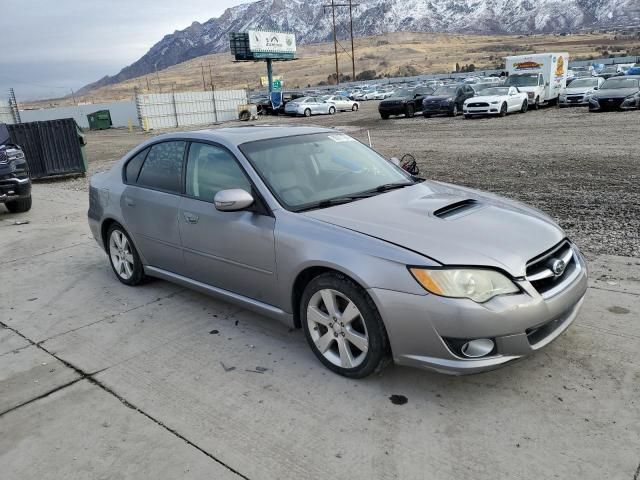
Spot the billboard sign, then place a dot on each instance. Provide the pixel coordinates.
(270, 42)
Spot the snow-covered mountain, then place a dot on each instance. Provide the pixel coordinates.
(312, 23)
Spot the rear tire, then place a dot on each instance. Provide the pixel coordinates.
(123, 256)
(19, 205)
(354, 108)
(343, 326)
(307, 112)
(426, 115)
(332, 110)
(454, 110)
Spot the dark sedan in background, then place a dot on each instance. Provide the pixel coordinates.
(404, 102)
(447, 99)
(617, 93)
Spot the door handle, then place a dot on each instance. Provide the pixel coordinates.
(190, 217)
(129, 201)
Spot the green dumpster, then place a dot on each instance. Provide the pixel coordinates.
(100, 120)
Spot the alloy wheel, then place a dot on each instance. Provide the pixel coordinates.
(337, 328)
(121, 254)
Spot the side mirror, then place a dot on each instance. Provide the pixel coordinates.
(395, 161)
(595, 88)
(232, 200)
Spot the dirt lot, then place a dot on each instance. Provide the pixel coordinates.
(581, 168)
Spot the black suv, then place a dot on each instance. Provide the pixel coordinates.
(448, 99)
(403, 102)
(15, 183)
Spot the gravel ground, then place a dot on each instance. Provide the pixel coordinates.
(581, 168)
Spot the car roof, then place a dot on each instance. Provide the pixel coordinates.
(244, 134)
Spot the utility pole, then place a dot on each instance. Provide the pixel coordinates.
(353, 57)
(335, 39)
(204, 85)
(73, 96)
(210, 78)
(158, 78)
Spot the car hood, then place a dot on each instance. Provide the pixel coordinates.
(615, 92)
(578, 90)
(395, 99)
(485, 98)
(493, 232)
(437, 98)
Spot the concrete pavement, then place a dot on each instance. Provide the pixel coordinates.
(99, 380)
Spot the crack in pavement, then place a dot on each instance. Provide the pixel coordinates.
(113, 315)
(45, 253)
(615, 291)
(90, 377)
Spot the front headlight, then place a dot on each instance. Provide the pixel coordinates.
(478, 285)
(630, 98)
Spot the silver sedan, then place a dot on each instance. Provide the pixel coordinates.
(308, 106)
(312, 228)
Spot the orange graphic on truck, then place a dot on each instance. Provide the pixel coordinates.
(528, 65)
(560, 67)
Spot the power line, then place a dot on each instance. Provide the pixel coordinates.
(335, 40)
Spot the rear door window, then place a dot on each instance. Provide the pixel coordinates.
(132, 170)
(162, 169)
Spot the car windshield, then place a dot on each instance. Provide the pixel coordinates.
(446, 90)
(584, 82)
(403, 93)
(523, 80)
(496, 91)
(313, 171)
(614, 83)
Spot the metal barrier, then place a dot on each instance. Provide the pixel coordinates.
(183, 109)
(52, 147)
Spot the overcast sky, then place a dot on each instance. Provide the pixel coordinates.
(51, 46)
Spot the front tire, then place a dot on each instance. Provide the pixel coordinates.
(536, 105)
(19, 205)
(343, 327)
(503, 110)
(384, 116)
(525, 107)
(409, 111)
(123, 256)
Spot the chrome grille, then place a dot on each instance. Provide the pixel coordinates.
(478, 104)
(554, 270)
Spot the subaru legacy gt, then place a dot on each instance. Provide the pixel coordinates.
(311, 227)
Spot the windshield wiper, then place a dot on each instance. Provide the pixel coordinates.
(385, 187)
(331, 202)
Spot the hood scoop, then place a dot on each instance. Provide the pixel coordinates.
(457, 209)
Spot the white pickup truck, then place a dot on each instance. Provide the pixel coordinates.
(542, 76)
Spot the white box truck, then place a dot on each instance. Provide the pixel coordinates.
(541, 75)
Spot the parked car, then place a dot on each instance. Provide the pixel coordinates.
(403, 102)
(382, 94)
(308, 106)
(265, 107)
(635, 70)
(617, 93)
(15, 180)
(610, 71)
(496, 101)
(311, 227)
(448, 100)
(579, 91)
(343, 103)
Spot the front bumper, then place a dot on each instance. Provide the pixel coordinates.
(573, 101)
(392, 109)
(602, 104)
(436, 108)
(14, 188)
(488, 110)
(420, 327)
